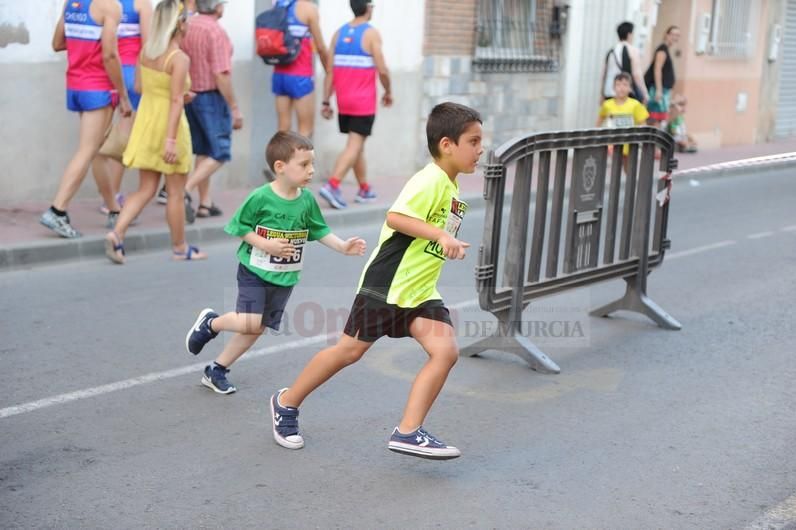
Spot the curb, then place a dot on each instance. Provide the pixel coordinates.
(25, 255)
(89, 248)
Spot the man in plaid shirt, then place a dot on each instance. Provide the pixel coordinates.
(214, 112)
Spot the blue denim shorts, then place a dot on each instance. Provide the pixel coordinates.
(292, 86)
(211, 125)
(259, 297)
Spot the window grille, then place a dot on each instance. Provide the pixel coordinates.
(730, 32)
(516, 36)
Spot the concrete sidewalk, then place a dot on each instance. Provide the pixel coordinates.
(24, 242)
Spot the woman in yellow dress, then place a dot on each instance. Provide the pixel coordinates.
(160, 142)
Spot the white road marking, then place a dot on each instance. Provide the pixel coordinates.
(760, 235)
(698, 250)
(68, 397)
(791, 228)
(254, 354)
(780, 516)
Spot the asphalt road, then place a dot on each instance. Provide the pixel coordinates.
(103, 422)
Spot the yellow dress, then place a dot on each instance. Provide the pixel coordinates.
(148, 137)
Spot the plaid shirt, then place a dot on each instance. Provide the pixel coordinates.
(210, 50)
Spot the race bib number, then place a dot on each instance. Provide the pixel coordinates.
(452, 224)
(267, 262)
(621, 120)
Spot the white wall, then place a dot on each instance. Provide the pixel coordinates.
(38, 17)
(238, 20)
(400, 22)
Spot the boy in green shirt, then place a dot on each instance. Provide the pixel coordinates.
(275, 222)
(398, 294)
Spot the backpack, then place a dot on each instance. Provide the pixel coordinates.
(624, 66)
(275, 43)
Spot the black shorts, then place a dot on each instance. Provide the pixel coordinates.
(257, 296)
(359, 124)
(371, 319)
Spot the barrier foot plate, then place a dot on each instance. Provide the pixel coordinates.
(633, 300)
(518, 345)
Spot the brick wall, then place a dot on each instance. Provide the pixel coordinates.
(450, 27)
(511, 103)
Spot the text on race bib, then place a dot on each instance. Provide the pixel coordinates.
(263, 260)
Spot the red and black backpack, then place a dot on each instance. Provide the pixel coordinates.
(275, 43)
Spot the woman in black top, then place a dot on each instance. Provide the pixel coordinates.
(660, 77)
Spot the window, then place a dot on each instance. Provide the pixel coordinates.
(730, 32)
(514, 35)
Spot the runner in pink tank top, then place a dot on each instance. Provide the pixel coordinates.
(293, 83)
(358, 59)
(87, 31)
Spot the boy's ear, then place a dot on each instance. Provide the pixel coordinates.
(279, 166)
(445, 144)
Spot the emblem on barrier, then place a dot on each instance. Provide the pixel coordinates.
(589, 174)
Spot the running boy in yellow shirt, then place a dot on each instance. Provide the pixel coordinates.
(397, 294)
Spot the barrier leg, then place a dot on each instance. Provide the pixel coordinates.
(507, 339)
(638, 301)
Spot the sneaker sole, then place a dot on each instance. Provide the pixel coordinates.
(161, 200)
(204, 312)
(209, 384)
(277, 437)
(364, 201)
(421, 452)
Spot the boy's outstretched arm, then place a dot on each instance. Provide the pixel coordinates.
(411, 226)
(353, 246)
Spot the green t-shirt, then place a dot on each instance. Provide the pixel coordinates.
(269, 215)
(403, 270)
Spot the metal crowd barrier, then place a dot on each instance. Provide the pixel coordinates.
(586, 222)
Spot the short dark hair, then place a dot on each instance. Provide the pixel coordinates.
(359, 7)
(671, 28)
(624, 29)
(283, 144)
(448, 120)
(623, 76)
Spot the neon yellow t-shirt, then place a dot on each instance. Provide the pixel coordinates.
(404, 270)
(628, 114)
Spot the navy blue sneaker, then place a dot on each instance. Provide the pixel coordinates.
(284, 421)
(333, 196)
(422, 444)
(215, 379)
(200, 333)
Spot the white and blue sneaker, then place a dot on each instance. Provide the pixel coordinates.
(422, 444)
(365, 195)
(215, 379)
(333, 196)
(200, 333)
(284, 421)
(59, 224)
